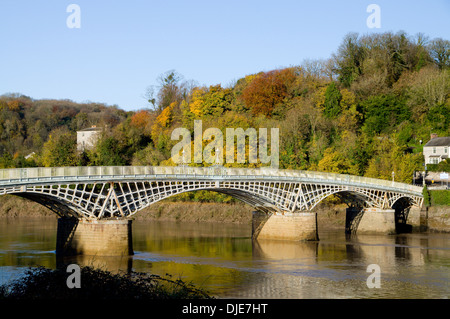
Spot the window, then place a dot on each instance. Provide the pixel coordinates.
(434, 150)
(446, 150)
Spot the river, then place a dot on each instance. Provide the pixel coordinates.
(223, 259)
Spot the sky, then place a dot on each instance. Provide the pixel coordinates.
(121, 47)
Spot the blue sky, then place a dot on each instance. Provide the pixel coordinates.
(123, 46)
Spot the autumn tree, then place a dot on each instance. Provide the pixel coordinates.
(335, 162)
(267, 90)
(140, 119)
(60, 149)
(171, 88)
(213, 101)
(389, 158)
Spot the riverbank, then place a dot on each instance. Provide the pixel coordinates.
(329, 216)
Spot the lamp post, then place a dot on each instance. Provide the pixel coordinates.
(393, 175)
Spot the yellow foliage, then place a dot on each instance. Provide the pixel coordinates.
(348, 99)
(165, 118)
(163, 121)
(249, 78)
(196, 101)
(318, 97)
(335, 162)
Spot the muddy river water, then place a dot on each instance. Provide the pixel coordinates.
(223, 259)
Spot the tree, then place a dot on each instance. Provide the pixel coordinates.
(171, 88)
(349, 58)
(335, 162)
(169, 91)
(267, 90)
(60, 149)
(333, 97)
(213, 101)
(108, 152)
(440, 52)
(140, 119)
(390, 157)
(383, 112)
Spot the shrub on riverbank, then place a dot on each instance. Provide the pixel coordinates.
(440, 197)
(43, 284)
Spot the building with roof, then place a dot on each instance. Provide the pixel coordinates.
(436, 150)
(87, 138)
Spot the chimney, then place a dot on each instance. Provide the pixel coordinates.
(433, 135)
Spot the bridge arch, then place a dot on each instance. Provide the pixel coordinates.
(120, 192)
(121, 199)
(365, 197)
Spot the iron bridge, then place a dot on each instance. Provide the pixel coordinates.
(119, 192)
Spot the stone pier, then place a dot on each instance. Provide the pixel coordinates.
(94, 237)
(301, 226)
(370, 220)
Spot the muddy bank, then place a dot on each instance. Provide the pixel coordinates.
(196, 212)
(328, 216)
(14, 206)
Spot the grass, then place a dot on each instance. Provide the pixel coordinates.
(440, 197)
(43, 284)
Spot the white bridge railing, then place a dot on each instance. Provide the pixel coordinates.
(36, 174)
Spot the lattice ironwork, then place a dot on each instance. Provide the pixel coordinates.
(124, 198)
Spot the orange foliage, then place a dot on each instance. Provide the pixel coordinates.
(268, 89)
(14, 105)
(140, 119)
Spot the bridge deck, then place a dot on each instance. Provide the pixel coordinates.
(58, 175)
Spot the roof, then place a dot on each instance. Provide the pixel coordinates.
(90, 129)
(439, 141)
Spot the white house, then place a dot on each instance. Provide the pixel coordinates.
(436, 150)
(87, 138)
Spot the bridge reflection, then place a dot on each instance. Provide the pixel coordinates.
(241, 268)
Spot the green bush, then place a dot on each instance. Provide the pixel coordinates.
(440, 197)
(443, 166)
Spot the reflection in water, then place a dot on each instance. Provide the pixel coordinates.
(224, 260)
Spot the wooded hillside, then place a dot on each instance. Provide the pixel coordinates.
(367, 110)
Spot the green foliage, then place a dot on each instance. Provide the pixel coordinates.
(440, 197)
(333, 97)
(60, 150)
(426, 196)
(383, 112)
(108, 152)
(443, 166)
